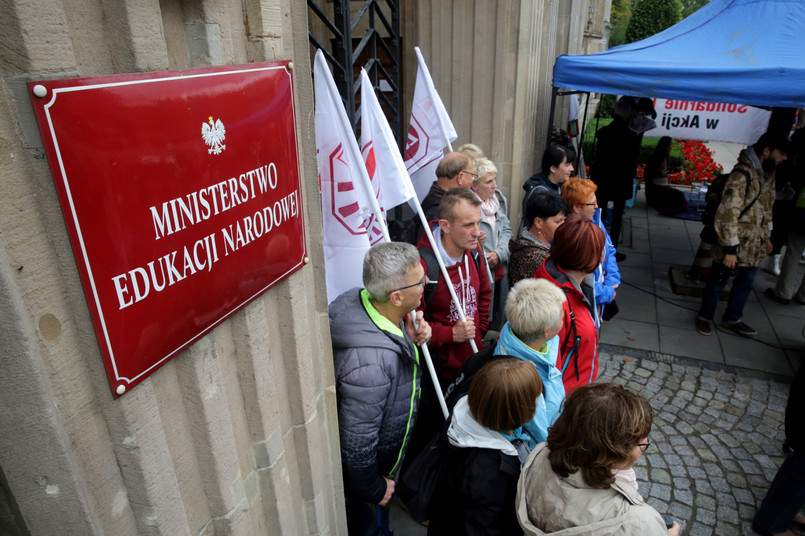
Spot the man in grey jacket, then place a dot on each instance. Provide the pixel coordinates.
(377, 373)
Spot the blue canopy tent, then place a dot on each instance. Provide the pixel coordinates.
(731, 51)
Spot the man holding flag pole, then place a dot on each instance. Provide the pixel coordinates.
(458, 325)
(347, 194)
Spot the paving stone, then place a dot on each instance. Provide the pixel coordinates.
(736, 480)
(661, 491)
(717, 437)
(683, 496)
(706, 517)
(706, 501)
(728, 514)
(680, 511)
(660, 476)
(697, 529)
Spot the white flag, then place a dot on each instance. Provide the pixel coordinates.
(343, 196)
(390, 180)
(429, 131)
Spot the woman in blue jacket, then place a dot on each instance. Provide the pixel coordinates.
(581, 202)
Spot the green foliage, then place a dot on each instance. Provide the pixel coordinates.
(691, 6)
(619, 18)
(605, 106)
(646, 149)
(652, 16)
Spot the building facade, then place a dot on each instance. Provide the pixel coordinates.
(238, 434)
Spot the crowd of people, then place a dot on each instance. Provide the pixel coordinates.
(530, 443)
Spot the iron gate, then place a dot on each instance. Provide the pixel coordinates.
(361, 33)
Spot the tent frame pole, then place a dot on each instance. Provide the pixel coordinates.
(554, 93)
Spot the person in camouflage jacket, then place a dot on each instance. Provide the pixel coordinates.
(743, 224)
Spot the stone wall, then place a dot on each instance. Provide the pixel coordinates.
(492, 64)
(237, 435)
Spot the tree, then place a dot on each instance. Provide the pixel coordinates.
(619, 19)
(652, 16)
(691, 6)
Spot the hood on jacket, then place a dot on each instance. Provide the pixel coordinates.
(524, 241)
(549, 403)
(617, 511)
(357, 329)
(563, 280)
(465, 432)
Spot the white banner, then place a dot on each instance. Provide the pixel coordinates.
(709, 121)
(429, 131)
(384, 163)
(342, 174)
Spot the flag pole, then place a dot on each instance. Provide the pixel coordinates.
(425, 351)
(426, 223)
(442, 268)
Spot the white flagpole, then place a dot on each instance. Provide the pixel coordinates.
(425, 351)
(486, 263)
(384, 230)
(448, 282)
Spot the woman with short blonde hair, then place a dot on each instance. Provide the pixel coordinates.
(495, 234)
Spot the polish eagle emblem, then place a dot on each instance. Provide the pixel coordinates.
(214, 135)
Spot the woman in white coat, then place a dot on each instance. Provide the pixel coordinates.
(495, 234)
(581, 482)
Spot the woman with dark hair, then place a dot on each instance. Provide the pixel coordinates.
(575, 254)
(576, 479)
(545, 212)
(579, 194)
(557, 167)
(476, 494)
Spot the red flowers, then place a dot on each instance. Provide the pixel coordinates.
(698, 165)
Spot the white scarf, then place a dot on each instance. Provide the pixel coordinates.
(490, 207)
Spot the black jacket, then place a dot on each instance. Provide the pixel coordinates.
(477, 494)
(616, 159)
(795, 413)
(477, 491)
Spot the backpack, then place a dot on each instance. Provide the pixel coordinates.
(420, 478)
(712, 200)
(434, 272)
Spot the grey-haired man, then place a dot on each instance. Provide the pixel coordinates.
(377, 372)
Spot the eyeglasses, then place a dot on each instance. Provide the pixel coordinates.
(473, 175)
(591, 204)
(424, 282)
(644, 446)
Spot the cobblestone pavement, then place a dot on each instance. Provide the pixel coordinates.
(716, 440)
(715, 444)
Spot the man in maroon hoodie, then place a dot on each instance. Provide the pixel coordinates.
(456, 234)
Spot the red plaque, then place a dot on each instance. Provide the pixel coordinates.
(181, 195)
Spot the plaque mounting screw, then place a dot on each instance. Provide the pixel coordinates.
(40, 91)
(290, 66)
(307, 260)
(120, 389)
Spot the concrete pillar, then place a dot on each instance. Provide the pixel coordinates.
(492, 64)
(238, 434)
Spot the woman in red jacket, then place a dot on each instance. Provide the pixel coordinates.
(575, 254)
